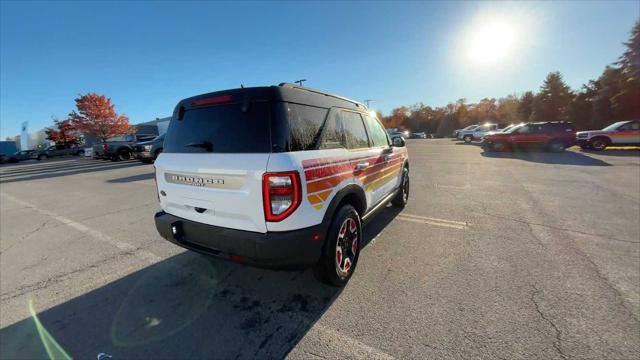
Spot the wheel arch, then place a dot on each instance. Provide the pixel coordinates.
(351, 194)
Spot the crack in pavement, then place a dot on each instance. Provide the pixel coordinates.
(22, 290)
(40, 227)
(557, 344)
(559, 228)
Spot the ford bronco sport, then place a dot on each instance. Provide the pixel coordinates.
(277, 176)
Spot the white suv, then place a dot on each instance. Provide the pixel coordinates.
(277, 176)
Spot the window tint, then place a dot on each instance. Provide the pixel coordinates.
(305, 125)
(333, 136)
(355, 134)
(630, 126)
(376, 132)
(225, 128)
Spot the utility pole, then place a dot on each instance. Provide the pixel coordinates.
(299, 82)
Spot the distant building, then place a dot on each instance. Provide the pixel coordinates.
(161, 125)
(38, 139)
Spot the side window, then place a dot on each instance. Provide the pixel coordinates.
(354, 131)
(305, 124)
(376, 132)
(630, 126)
(333, 137)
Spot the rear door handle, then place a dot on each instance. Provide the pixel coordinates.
(361, 166)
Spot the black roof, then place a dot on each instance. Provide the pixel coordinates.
(282, 92)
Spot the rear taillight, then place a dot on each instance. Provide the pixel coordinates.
(281, 194)
(105, 147)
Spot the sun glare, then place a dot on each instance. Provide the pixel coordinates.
(491, 41)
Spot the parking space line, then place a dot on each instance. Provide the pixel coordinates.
(121, 245)
(433, 221)
(355, 348)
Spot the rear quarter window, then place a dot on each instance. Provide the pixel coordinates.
(226, 127)
(305, 126)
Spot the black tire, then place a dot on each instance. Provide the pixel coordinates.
(344, 236)
(599, 143)
(585, 147)
(402, 197)
(123, 155)
(555, 146)
(467, 138)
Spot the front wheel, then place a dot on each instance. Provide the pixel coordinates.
(402, 197)
(467, 138)
(599, 144)
(342, 248)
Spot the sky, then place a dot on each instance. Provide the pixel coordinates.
(146, 56)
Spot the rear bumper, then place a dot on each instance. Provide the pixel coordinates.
(272, 249)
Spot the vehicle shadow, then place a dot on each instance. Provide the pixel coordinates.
(562, 158)
(629, 152)
(127, 179)
(26, 172)
(186, 306)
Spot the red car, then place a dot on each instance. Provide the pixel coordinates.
(553, 136)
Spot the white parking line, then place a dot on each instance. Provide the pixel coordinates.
(433, 221)
(124, 246)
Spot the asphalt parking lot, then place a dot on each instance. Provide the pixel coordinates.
(497, 255)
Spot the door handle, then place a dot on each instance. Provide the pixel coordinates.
(361, 166)
(386, 157)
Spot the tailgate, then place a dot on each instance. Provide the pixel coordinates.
(215, 189)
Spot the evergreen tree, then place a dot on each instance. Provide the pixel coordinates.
(553, 99)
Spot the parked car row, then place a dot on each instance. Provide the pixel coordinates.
(559, 135)
(49, 152)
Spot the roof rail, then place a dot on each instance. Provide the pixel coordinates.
(294, 86)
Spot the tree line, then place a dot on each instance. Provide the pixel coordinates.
(614, 96)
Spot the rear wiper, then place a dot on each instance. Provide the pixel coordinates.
(206, 145)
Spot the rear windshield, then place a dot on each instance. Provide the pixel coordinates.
(221, 129)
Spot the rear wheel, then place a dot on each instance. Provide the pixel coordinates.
(402, 197)
(556, 146)
(599, 144)
(342, 248)
(123, 155)
(467, 138)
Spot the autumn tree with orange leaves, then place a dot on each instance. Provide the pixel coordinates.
(64, 132)
(96, 115)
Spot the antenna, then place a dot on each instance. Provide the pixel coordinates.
(299, 82)
(367, 101)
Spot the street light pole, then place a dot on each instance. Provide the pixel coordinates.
(299, 82)
(368, 101)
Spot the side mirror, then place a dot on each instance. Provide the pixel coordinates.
(398, 141)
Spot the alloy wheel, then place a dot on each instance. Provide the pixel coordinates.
(347, 247)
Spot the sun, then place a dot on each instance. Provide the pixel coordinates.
(491, 41)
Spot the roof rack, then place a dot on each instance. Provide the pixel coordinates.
(294, 86)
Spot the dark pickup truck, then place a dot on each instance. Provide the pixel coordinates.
(148, 151)
(58, 150)
(120, 147)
